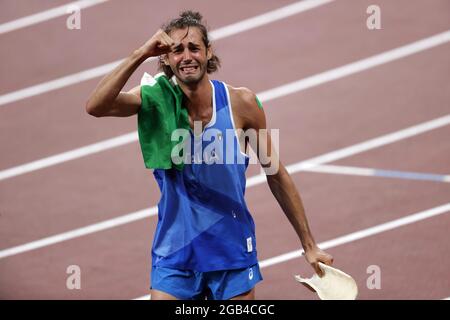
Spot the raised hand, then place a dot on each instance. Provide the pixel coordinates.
(158, 44)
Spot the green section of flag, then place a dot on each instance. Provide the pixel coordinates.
(160, 114)
(259, 102)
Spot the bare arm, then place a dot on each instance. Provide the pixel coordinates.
(279, 180)
(107, 99)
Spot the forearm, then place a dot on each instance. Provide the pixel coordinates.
(285, 192)
(106, 92)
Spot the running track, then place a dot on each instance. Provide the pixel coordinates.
(356, 192)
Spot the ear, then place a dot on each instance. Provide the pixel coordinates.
(165, 59)
(209, 53)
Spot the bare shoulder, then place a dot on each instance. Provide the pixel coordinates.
(247, 113)
(242, 97)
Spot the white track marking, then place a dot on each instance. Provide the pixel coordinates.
(265, 96)
(46, 15)
(58, 83)
(96, 227)
(69, 155)
(265, 18)
(308, 165)
(217, 34)
(372, 172)
(342, 170)
(362, 233)
(354, 236)
(358, 66)
(252, 181)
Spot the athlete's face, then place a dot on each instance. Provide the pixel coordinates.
(189, 59)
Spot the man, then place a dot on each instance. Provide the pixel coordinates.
(204, 244)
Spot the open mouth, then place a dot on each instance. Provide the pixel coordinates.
(188, 69)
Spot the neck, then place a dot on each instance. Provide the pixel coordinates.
(199, 95)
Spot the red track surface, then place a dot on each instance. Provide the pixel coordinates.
(115, 263)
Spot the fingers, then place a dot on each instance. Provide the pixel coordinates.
(167, 39)
(325, 258)
(166, 43)
(328, 259)
(316, 256)
(317, 268)
(160, 43)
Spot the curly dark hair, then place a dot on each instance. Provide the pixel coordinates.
(188, 19)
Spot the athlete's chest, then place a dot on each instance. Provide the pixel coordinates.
(200, 121)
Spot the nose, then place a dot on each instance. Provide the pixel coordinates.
(187, 55)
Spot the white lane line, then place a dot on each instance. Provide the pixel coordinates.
(69, 155)
(359, 148)
(58, 83)
(265, 18)
(217, 34)
(372, 172)
(96, 227)
(252, 181)
(377, 142)
(354, 236)
(342, 170)
(265, 96)
(46, 15)
(362, 233)
(358, 66)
